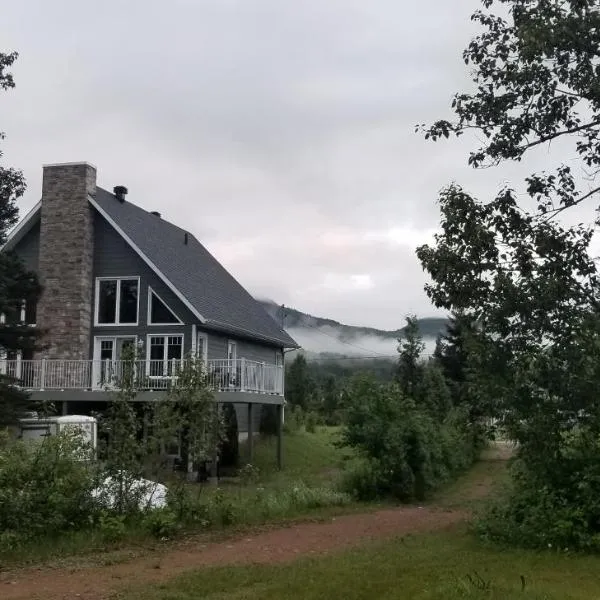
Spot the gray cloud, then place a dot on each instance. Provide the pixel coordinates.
(281, 134)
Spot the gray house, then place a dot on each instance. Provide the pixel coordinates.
(114, 274)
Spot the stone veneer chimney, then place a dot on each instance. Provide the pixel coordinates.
(66, 260)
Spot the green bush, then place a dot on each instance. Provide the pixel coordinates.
(311, 422)
(112, 526)
(44, 489)
(556, 506)
(161, 522)
(407, 449)
(294, 418)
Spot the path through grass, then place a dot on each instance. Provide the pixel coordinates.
(444, 566)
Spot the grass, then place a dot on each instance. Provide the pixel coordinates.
(445, 566)
(309, 457)
(304, 489)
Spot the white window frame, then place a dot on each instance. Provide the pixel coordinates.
(118, 302)
(166, 350)
(149, 311)
(202, 338)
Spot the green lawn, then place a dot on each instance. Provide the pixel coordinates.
(310, 457)
(444, 566)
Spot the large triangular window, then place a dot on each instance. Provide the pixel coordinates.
(158, 312)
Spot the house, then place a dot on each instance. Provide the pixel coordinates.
(113, 275)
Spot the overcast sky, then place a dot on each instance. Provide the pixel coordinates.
(280, 133)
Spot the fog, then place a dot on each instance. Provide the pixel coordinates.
(328, 339)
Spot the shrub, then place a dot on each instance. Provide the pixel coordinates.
(230, 451)
(112, 526)
(44, 490)
(555, 508)
(311, 422)
(294, 419)
(161, 523)
(407, 451)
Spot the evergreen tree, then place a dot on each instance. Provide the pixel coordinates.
(410, 347)
(18, 287)
(451, 353)
(300, 387)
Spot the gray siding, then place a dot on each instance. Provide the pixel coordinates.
(217, 348)
(28, 248)
(113, 257)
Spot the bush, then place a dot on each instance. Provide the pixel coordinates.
(161, 523)
(294, 419)
(311, 422)
(44, 490)
(555, 507)
(407, 451)
(230, 451)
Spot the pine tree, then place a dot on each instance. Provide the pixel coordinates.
(410, 347)
(19, 287)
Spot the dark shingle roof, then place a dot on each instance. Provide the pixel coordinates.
(198, 276)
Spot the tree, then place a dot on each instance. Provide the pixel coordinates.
(17, 284)
(410, 348)
(300, 386)
(527, 279)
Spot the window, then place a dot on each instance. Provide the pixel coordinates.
(117, 301)
(158, 312)
(202, 347)
(164, 351)
(29, 312)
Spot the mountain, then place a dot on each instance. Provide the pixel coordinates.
(328, 338)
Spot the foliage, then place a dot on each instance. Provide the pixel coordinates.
(529, 281)
(230, 451)
(410, 349)
(17, 284)
(558, 509)
(407, 451)
(124, 451)
(300, 387)
(44, 489)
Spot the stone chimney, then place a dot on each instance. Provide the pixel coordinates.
(66, 260)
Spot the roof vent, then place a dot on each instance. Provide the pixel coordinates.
(120, 191)
(155, 213)
(185, 238)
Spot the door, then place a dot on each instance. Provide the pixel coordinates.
(108, 352)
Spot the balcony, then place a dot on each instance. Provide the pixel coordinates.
(47, 375)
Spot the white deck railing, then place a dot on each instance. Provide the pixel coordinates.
(239, 375)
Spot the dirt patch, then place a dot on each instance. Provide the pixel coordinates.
(277, 546)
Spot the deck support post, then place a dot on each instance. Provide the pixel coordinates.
(250, 435)
(280, 436)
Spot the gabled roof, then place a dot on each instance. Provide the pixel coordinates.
(199, 280)
(189, 270)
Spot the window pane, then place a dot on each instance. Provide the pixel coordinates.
(106, 350)
(128, 301)
(157, 355)
(174, 351)
(30, 312)
(175, 347)
(160, 312)
(157, 348)
(107, 301)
